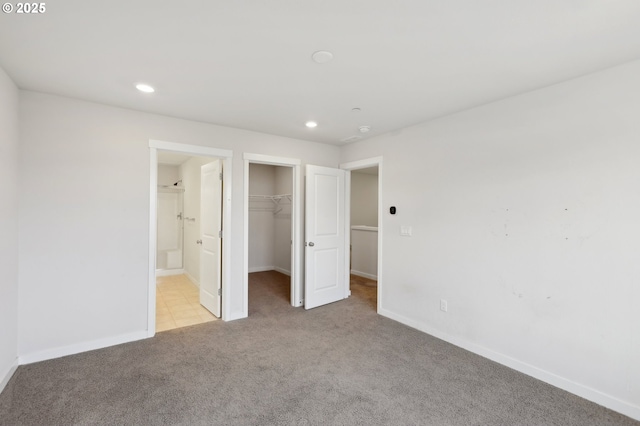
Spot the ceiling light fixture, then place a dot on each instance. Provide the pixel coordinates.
(322, 56)
(364, 129)
(145, 88)
(311, 124)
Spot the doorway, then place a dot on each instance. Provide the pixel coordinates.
(270, 224)
(186, 293)
(271, 221)
(364, 234)
(183, 282)
(364, 199)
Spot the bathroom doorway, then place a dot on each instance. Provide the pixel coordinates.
(183, 189)
(179, 281)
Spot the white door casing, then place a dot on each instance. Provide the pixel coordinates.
(325, 236)
(210, 228)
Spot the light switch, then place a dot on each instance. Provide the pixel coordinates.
(405, 230)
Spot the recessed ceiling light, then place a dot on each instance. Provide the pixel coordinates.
(355, 109)
(322, 56)
(364, 129)
(145, 88)
(311, 124)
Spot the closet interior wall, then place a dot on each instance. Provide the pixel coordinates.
(270, 189)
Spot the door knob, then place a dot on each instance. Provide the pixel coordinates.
(199, 242)
(311, 244)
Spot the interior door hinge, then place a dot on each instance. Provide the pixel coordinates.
(219, 292)
(220, 175)
(219, 234)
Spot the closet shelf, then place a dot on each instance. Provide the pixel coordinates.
(276, 199)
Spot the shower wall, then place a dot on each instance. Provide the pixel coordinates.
(170, 219)
(168, 174)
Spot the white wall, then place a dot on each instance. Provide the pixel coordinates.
(84, 229)
(168, 174)
(282, 241)
(525, 216)
(262, 181)
(364, 251)
(169, 205)
(190, 175)
(8, 228)
(364, 199)
(270, 224)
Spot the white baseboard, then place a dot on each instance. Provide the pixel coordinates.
(269, 268)
(364, 274)
(8, 374)
(82, 347)
(261, 269)
(583, 391)
(168, 272)
(192, 279)
(282, 271)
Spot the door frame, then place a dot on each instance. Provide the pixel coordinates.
(297, 291)
(355, 165)
(226, 157)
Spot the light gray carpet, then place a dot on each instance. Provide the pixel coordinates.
(335, 365)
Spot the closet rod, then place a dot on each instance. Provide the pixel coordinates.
(274, 198)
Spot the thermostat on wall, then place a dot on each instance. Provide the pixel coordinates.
(392, 210)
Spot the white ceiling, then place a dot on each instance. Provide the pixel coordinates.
(247, 64)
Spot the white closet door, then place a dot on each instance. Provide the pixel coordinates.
(325, 246)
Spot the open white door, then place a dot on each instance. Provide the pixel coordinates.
(210, 228)
(325, 242)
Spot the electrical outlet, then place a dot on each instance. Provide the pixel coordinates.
(443, 305)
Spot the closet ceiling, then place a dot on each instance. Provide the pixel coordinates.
(247, 64)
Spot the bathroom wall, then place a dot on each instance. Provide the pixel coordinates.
(189, 172)
(169, 242)
(168, 174)
(364, 199)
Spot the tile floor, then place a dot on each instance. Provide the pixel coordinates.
(177, 304)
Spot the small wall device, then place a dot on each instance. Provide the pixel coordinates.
(392, 210)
